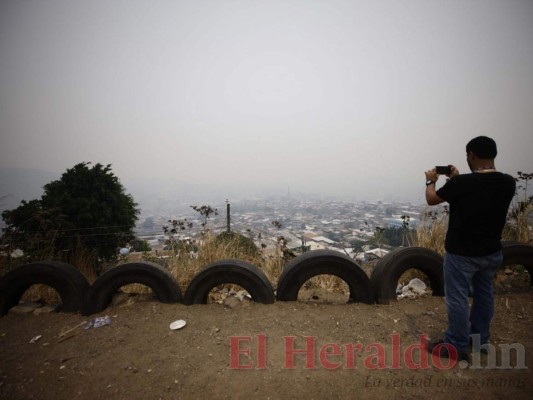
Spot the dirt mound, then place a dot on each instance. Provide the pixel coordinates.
(284, 350)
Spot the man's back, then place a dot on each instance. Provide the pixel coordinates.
(478, 209)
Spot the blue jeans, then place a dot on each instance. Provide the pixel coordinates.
(463, 275)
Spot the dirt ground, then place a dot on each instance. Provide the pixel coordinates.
(245, 352)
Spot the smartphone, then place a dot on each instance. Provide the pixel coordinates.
(444, 170)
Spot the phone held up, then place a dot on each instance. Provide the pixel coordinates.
(444, 170)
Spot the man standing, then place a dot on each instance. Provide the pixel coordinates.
(479, 202)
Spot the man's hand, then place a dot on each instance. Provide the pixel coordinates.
(431, 194)
(455, 172)
(431, 175)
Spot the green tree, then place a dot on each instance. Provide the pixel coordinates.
(32, 228)
(86, 207)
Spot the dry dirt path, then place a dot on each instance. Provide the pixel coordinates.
(137, 356)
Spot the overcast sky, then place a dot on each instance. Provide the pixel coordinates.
(348, 98)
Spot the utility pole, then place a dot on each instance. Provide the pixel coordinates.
(228, 229)
(304, 242)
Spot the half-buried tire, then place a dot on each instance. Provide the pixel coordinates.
(515, 253)
(66, 279)
(150, 274)
(324, 262)
(390, 268)
(230, 271)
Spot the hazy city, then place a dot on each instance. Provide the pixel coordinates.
(313, 221)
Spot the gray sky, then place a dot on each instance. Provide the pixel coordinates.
(335, 97)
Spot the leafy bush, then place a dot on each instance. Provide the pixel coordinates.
(242, 244)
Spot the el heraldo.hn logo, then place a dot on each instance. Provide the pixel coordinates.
(251, 352)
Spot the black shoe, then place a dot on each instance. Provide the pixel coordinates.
(444, 353)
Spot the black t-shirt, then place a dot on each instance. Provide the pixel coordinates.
(478, 209)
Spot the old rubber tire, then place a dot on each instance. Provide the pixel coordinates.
(390, 268)
(515, 253)
(321, 262)
(150, 274)
(66, 279)
(232, 271)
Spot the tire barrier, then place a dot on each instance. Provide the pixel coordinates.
(320, 262)
(66, 279)
(150, 274)
(76, 293)
(389, 269)
(515, 253)
(232, 271)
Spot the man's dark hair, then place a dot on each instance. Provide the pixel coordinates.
(483, 147)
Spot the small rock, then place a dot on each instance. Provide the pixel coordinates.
(47, 309)
(35, 339)
(25, 308)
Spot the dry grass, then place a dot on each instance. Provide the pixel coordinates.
(431, 232)
(518, 226)
(85, 261)
(330, 283)
(185, 266)
(41, 294)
